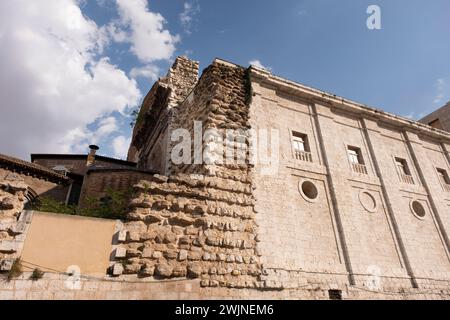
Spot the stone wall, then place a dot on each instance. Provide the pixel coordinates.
(149, 144)
(62, 287)
(38, 185)
(13, 222)
(440, 119)
(97, 182)
(361, 227)
(184, 226)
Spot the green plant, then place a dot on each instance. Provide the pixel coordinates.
(47, 204)
(37, 274)
(112, 205)
(16, 270)
(136, 117)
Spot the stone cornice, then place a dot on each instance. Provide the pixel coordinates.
(263, 76)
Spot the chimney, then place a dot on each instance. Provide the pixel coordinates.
(91, 156)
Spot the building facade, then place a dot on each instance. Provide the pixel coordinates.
(329, 198)
(357, 199)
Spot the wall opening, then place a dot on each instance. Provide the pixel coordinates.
(309, 190)
(335, 294)
(418, 209)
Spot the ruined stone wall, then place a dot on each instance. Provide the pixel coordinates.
(219, 101)
(153, 125)
(198, 222)
(196, 228)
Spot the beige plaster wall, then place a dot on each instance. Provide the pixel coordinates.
(59, 241)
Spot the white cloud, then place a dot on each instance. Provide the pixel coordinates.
(440, 89)
(191, 9)
(258, 64)
(150, 72)
(144, 30)
(120, 146)
(58, 91)
(53, 83)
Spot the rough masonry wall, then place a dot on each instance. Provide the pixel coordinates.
(13, 222)
(199, 222)
(150, 134)
(195, 228)
(219, 101)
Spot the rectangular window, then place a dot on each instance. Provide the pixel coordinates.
(354, 155)
(403, 171)
(300, 147)
(444, 178)
(356, 160)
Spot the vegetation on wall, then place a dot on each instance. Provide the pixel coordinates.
(136, 117)
(111, 206)
(36, 275)
(16, 270)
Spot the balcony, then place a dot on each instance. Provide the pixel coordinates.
(405, 178)
(359, 168)
(303, 156)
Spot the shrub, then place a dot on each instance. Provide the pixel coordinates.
(16, 270)
(112, 206)
(37, 274)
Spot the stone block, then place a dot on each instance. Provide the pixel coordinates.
(7, 246)
(117, 269)
(120, 253)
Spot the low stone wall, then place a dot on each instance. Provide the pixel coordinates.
(63, 287)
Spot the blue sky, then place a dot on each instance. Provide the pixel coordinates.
(403, 68)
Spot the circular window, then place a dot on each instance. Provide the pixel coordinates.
(309, 191)
(418, 209)
(368, 201)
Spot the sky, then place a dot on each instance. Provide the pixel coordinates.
(72, 71)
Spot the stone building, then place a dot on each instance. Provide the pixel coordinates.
(440, 119)
(357, 193)
(40, 180)
(91, 174)
(352, 202)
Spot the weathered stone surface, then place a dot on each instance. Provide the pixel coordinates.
(117, 269)
(194, 270)
(120, 252)
(163, 270)
(8, 246)
(7, 203)
(147, 252)
(179, 271)
(147, 270)
(182, 255)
